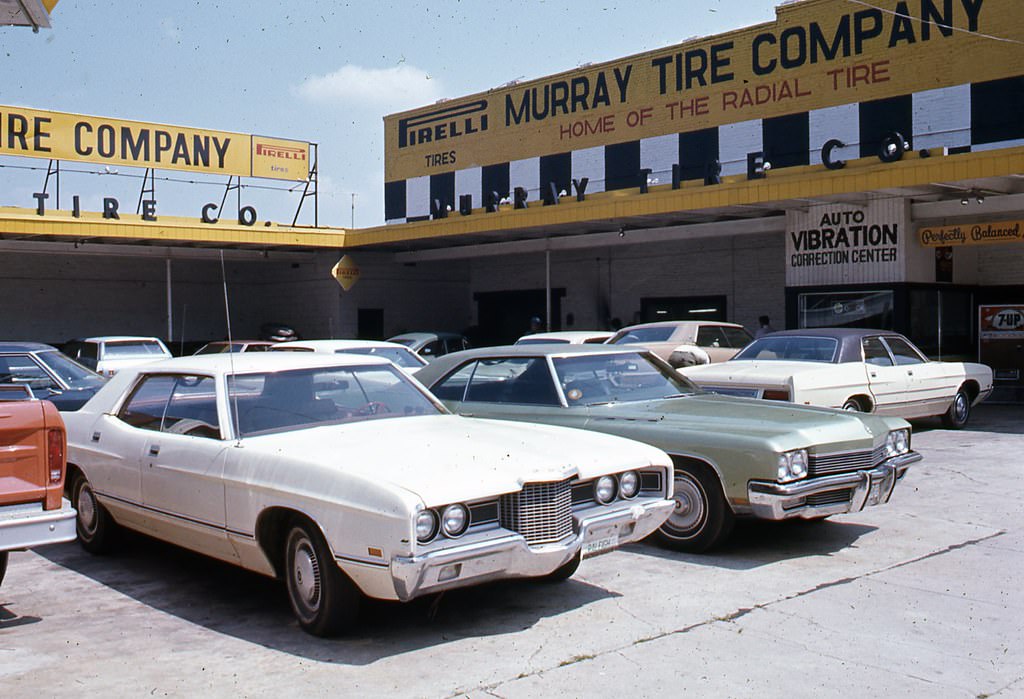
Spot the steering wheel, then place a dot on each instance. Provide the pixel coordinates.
(374, 407)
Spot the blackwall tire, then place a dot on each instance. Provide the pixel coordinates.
(95, 527)
(325, 602)
(702, 518)
(959, 411)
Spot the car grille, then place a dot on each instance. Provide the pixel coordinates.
(826, 464)
(833, 497)
(541, 512)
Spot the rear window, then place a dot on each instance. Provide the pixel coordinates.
(640, 335)
(133, 348)
(791, 348)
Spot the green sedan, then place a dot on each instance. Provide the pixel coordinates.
(734, 457)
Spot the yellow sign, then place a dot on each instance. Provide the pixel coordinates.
(345, 272)
(37, 133)
(971, 234)
(280, 159)
(816, 54)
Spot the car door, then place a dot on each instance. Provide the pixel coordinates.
(890, 384)
(932, 385)
(508, 388)
(183, 467)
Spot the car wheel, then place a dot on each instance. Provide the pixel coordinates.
(563, 572)
(94, 525)
(324, 600)
(3, 565)
(852, 405)
(701, 518)
(959, 411)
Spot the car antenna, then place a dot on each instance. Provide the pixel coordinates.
(232, 387)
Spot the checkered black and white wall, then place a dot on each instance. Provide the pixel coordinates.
(963, 118)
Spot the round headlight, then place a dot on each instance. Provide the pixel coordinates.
(454, 520)
(629, 484)
(604, 490)
(798, 465)
(783, 473)
(902, 442)
(426, 526)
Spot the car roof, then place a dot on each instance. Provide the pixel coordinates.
(425, 336)
(339, 344)
(118, 338)
(14, 346)
(834, 332)
(678, 323)
(567, 335)
(442, 365)
(251, 362)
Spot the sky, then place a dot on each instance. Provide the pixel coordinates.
(324, 72)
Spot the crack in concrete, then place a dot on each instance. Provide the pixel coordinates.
(743, 611)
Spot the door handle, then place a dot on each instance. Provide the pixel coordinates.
(95, 436)
(909, 372)
(154, 449)
(874, 375)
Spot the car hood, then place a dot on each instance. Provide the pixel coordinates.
(706, 417)
(447, 458)
(748, 371)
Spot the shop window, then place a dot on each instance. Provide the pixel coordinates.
(846, 309)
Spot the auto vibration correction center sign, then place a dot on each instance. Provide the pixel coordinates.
(840, 243)
(816, 54)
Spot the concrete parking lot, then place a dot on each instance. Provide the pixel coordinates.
(918, 598)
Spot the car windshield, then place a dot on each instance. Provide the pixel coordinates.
(301, 398)
(610, 378)
(791, 348)
(220, 348)
(133, 348)
(399, 355)
(71, 372)
(632, 336)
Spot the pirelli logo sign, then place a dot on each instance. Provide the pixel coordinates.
(439, 125)
(35, 133)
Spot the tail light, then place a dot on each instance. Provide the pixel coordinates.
(775, 395)
(55, 455)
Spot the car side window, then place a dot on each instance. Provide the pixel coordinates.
(521, 380)
(737, 337)
(453, 386)
(146, 406)
(22, 369)
(875, 352)
(904, 352)
(433, 349)
(192, 409)
(711, 336)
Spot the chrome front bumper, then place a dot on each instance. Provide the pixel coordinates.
(28, 525)
(509, 556)
(770, 500)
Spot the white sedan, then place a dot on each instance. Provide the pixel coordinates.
(344, 477)
(403, 357)
(872, 371)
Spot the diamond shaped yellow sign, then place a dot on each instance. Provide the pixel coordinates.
(346, 272)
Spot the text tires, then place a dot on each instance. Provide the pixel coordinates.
(324, 600)
(959, 411)
(702, 518)
(94, 525)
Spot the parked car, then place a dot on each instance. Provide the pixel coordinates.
(431, 345)
(48, 373)
(33, 511)
(733, 457)
(566, 337)
(403, 357)
(223, 346)
(872, 371)
(344, 477)
(686, 342)
(108, 355)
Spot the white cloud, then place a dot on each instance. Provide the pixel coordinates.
(397, 88)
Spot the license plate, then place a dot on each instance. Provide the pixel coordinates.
(597, 546)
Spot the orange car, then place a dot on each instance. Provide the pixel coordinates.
(33, 453)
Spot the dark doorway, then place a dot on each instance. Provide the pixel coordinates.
(683, 308)
(370, 323)
(504, 316)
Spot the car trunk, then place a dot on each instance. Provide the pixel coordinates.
(33, 446)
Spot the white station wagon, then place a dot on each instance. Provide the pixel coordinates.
(344, 477)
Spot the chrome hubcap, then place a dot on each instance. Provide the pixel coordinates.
(689, 505)
(960, 406)
(306, 574)
(87, 509)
